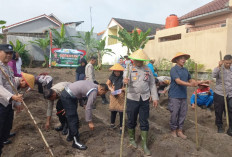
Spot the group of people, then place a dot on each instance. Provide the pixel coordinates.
(144, 86)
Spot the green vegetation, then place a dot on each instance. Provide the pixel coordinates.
(1, 27)
(88, 42)
(60, 40)
(133, 41)
(43, 43)
(102, 51)
(20, 48)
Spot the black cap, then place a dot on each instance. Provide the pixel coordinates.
(6, 47)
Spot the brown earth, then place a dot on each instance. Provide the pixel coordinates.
(105, 142)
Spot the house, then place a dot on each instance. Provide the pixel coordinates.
(202, 33)
(38, 24)
(114, 26)
(34, 28)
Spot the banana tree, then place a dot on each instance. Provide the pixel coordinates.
(101, 51)
(87, 41)
(43, 43)
(60, 40)
(1, 27)
(133, 41)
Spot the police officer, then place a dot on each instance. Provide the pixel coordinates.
(69, 97)
(8, 99)
(141, 86)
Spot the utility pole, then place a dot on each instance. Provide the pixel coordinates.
(90, 17)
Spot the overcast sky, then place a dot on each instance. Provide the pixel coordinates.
(153, 11)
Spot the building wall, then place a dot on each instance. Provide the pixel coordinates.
(37, 26)
(117, 47)
(203, 46)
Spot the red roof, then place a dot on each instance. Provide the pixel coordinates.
(32, 19)
(210, 7)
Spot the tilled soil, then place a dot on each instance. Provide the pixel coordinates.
(105, 142)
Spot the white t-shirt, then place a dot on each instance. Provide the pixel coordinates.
(18, 65)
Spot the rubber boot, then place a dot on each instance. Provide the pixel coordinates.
(144, 135)
(77, 144)
(132, 137)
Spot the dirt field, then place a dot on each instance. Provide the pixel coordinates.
(105, 142)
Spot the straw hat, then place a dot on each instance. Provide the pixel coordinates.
(167, 82)
(117, 67)
(179, 54)
(203, 84)
(139, 55)
(29, 79)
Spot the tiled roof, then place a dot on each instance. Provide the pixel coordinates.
(209, 7)
(129, 25)
(32, 19)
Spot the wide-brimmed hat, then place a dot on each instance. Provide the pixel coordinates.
(139, 55)
(29, 79)
(203, 84)
(117, 67)
(179, 54)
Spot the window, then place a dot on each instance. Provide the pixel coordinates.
(170, 38)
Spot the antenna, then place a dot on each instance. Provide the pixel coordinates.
(90, 17)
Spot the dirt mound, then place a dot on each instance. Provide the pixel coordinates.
(105, 142)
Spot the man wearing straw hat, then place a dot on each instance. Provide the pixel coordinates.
(180, 79)
(219, 103)
(141, 86)
(8, 99)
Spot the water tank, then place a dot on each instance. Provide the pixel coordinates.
(138, 30)
(171, 21)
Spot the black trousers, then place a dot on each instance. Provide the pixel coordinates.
(135, 108)
(70, 106)
(59, 108)
(219, 107)
(6, 122)
(113, 117)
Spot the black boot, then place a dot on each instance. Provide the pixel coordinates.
(7, 142)
(59, 128)
(220, 129)
(65, 129)
(77, 144)
(69, 138)
(105, 101)
(12, 134)
(229, 131)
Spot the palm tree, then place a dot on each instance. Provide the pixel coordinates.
(102, 51)
(43, 43)
(133, 41)
(2, 23)
(87, 42)
(60, 40)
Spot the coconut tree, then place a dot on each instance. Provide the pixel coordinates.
(87, 41)
(101, 51)
(133, 40)
(60, 40)
(43, 43)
